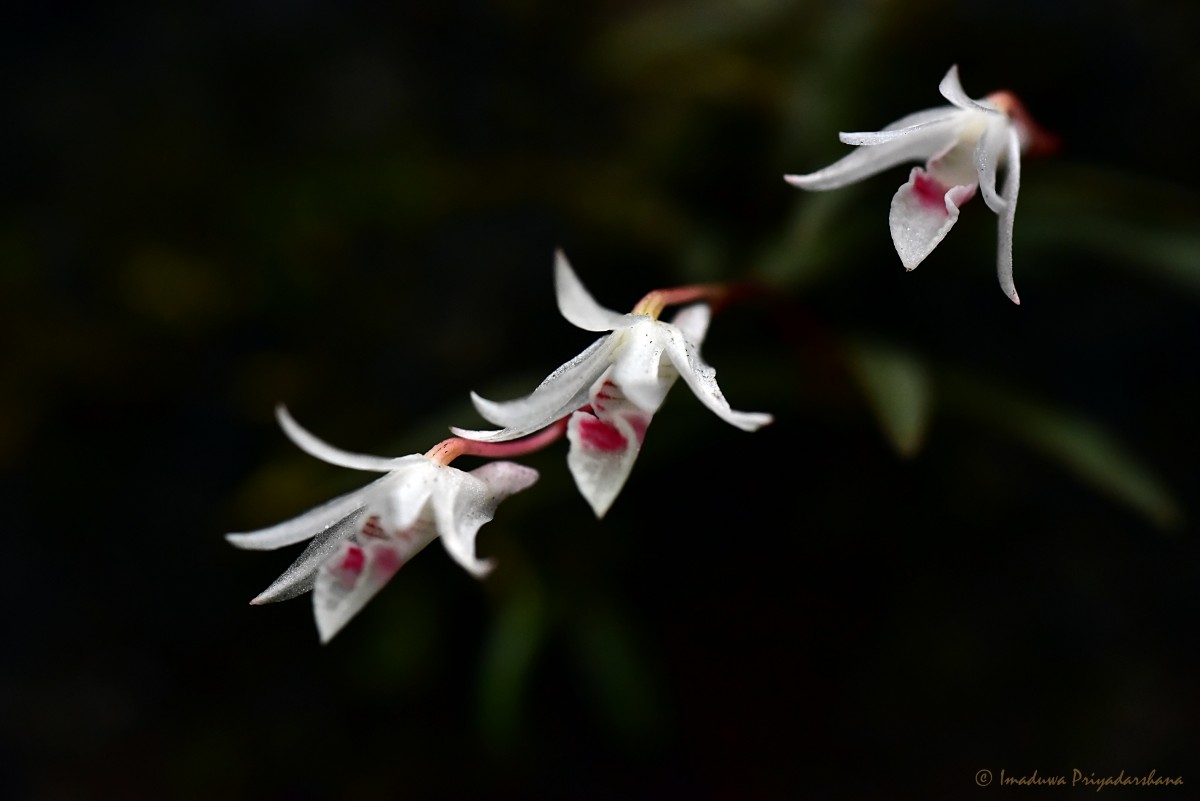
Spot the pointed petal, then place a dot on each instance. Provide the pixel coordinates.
(563, 391)
(576, 303)
(941, 117)
(703, 381)
(1012, 183)
(602, 455)
(923, 212)
(327, 453)
(993, 142)
(932, 132)
(299, 577)
(358, 569)
(308, 525)
(692, 321)
(952, 90)
(919, 119)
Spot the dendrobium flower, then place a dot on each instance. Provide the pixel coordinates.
(963, 146)
(361, 539)
(611, 391)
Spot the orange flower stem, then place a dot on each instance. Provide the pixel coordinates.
(448, 450)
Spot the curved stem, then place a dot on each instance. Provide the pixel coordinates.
(654, 302)
(448, 450)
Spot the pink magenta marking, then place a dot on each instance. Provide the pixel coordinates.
(371, 528)
(639, 426)
(930, 192)
(387, 560)
(353, 561)
(603, 394)
(599, 435)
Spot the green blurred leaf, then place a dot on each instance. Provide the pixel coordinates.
(617, 673)
(508, 656)
(1130, 220)
(807, 252)
(1083, 446)
(662, 31)
(897, 385)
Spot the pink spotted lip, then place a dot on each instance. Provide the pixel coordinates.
(930, 192)
(601, 436)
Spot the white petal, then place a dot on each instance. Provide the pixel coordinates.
(1012, 183)
(929, 118)
(563, 391)
(952, 90)
(923, 212)
(992, 143)
(308, 525)
(356, 571)
(638, 366)
(298, 578)
(327, 453)
(932, 132)
(703, 381)
(602, 454)
(462, 505)
(692, 321)
(505, 478)
(920, 119)
(576, 303)
(401, 503)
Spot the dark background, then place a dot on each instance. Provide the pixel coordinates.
(352, 208)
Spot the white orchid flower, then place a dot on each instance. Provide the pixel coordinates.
(963, 145)
(611, 391)
(361, 539)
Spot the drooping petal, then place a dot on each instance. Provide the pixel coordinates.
(1012, 183)
(923, 212)
(462, 503)
(312, 523)
(993, 143)
(952, 90)
(504, 479)
(577, 305)
(703, 381)
(692, 321)
(358, 569)
(917, 137)
(637, 369)
(459, 525)
(563, 391)
(299, 576)
(603, 452)
(322, 450)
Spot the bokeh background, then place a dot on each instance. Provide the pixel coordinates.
(968, 541)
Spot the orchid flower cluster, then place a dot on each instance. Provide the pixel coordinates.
(604, 399)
